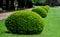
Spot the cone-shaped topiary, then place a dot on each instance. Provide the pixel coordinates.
(41, 11)
(46, 8)
(24, 21)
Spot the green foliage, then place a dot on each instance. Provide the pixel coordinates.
(28, 0)
(39, 1)
(42, 12)
(46, 8)
(24, 21)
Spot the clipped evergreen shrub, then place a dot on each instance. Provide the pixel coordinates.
(46, 8)
(42, 12)
(25, 21)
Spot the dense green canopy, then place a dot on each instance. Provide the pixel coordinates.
(39, 1)
(35, 1)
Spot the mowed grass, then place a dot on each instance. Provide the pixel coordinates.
(51, 28)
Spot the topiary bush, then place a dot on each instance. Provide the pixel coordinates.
(42, 12)
(46, 8)
(25, 21)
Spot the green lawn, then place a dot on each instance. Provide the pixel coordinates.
(51, 28)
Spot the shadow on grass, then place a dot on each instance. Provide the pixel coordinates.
(23, 33)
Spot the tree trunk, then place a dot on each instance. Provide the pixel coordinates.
(29, 4)
(12, 5)
(1, 3)
(7, 4)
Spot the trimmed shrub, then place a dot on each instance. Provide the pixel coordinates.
(25, 21)
(42, 12)
(46, 8)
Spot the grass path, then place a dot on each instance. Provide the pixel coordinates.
(52, 25)
(51, 28)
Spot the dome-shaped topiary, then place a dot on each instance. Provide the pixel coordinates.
(24, 21)
(42, 12)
